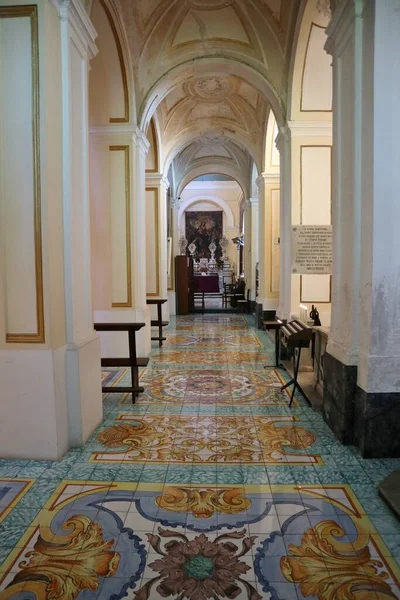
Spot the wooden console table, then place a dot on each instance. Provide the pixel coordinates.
(133, 362)
(275, 326)
(158, 322)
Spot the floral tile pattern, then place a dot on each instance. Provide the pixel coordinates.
(209, 386)
(211, 357)
(207, 487)
(145, 541)
(206, 340)
(206, 439)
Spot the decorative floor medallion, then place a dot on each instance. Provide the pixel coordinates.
(211, 327)
(210, 439)
(216, 319)
(214, 386)
(246, 342)
(147, 542)
(212, 357)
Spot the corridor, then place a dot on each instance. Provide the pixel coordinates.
(208, 487)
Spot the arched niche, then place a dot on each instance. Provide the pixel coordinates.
(215, 202)
(109, 95)
(152, 157)
(310, 80)
(271, 153)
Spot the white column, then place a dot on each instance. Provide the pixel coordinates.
(49, 353)
(254, 254)
(140, 149)
(175, 252)
(284, 146)
(379, 310)
(345, 44)
(83, 347)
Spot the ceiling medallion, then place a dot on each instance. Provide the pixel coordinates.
(211, 88)
(213, 138)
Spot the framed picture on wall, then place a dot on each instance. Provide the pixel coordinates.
(315, 288)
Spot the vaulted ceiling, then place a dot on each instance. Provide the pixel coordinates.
(210, 71)
(217, 113)
(164, 34)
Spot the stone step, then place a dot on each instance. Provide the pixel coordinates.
(389, 490)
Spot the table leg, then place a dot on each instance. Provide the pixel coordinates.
(159, 314)
(134, 368)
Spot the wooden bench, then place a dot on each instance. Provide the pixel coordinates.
(133, 362)
(158, 322)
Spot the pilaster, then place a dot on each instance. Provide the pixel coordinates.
(268, 222)
(156, 191)
(251, 244)
(283, 143)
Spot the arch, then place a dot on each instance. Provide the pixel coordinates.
(216, 200)
(310, 74)
(181, 144)
(209, 66)
(153, 156)
(271, 154)
(207, 170)
(116, 27)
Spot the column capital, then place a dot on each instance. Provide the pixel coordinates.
(339, 28)
(260, 181)
(141, 141)
(293, 129)
(272, 178)
(157, 179)
(74, 13)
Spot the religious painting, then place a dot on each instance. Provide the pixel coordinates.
(202, 228)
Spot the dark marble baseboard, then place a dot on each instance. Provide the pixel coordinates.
(263, 315)
(339, 397)
(377, 424)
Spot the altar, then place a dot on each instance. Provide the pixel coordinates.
(206, 284)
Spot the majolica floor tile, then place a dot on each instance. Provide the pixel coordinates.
(207, 487)
(146, 540)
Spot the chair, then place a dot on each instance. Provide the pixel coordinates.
(229, 293)
(244, 304)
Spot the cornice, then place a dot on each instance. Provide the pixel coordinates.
(113, 130)
(270, 177)
(157, 179)
(340, 27)
(309, 128)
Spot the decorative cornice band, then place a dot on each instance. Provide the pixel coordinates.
(112, 130)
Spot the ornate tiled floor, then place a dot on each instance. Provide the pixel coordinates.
(208, 487)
